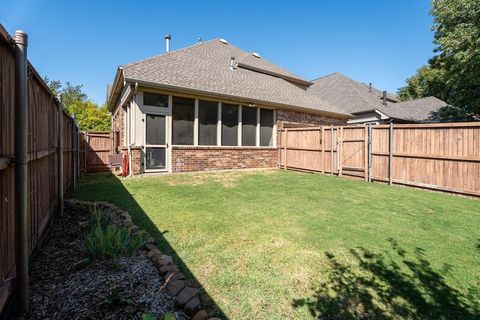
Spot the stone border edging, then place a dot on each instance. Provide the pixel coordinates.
(186, 297)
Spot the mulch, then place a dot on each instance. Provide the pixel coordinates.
(65, 286)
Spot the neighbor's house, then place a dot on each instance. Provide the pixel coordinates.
(369, 105)
(209, 106)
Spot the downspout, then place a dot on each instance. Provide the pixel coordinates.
(21, 170)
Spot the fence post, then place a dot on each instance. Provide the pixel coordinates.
(77, 162)
(340, 152)
(369, 153)
(366, 148)
(286, 147)
(279, 141)
(322, 143)
(390, 154)
(60, 154)
(21, 170)
(73, 147)
(331, 150)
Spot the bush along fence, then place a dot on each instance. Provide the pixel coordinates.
(39, 162)
(437, 156)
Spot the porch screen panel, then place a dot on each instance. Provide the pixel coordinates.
(229, 124)
(183, 114)
(155, 129)
(154, 99)
(266, 127)
(207, 123)
(155, 158)
(249, 126)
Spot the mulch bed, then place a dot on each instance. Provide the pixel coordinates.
(65, 286)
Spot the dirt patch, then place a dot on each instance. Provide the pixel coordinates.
(63, 286)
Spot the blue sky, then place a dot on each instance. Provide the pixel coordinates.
(378, 41)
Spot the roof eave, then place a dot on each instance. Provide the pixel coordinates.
(116, 90)
(226, 96)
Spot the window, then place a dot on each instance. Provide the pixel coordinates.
(153, 99)
(155, 129)
(266, 127)
(249, 126)
(183, 114)
(207, 123)
(229, 125)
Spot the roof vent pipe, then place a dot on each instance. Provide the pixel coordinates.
(167, 42)
(370, 87)
(232, 63)
(199, 40)
(384, 98)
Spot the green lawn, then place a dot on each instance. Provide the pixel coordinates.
(286, 245)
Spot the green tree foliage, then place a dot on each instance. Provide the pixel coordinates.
(89, 115)
(453, 73)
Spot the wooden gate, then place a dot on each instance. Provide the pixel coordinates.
(332, 150)
(96, 147)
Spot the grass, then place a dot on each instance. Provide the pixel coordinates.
(283, 245)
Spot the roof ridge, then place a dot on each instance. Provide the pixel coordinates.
(167, 53)
(327, 75)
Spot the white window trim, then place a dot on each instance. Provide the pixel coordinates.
(195, 124)
(239, 127)
(219, 125)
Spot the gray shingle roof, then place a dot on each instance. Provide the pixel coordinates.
(355, 97)
(421, 110)
(204, 67)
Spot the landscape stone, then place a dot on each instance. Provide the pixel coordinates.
(175, 287)
(185, 296)
(174, 276)
(165, 269)
(192, 306)
(153, 253)
(200, 315)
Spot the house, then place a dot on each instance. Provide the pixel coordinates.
(370, 105)
(209, 106)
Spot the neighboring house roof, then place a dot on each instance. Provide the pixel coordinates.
(419, 110)
(204, 68)
(357, 98)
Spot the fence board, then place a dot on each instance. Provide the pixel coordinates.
(442, 156)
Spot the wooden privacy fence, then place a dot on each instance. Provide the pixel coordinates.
(439, 156)
(95, 147)
(52, 159)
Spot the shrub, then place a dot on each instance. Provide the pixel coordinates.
(106, 241)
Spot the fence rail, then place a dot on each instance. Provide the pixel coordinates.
(52, 139)
(440, 156)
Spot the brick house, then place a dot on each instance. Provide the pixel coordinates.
(209, 106)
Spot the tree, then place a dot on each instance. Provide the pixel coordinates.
(88, 115)
(453, 73)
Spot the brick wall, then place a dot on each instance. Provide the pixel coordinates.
(186, 159)
(118, 125)
(307, 118)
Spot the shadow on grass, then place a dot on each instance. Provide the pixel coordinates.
(106, 187)
(382, 288)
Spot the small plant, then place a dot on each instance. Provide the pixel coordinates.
(106, 240)
(116, 299)
(148, 316)
(169, 316)
(100, 217)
